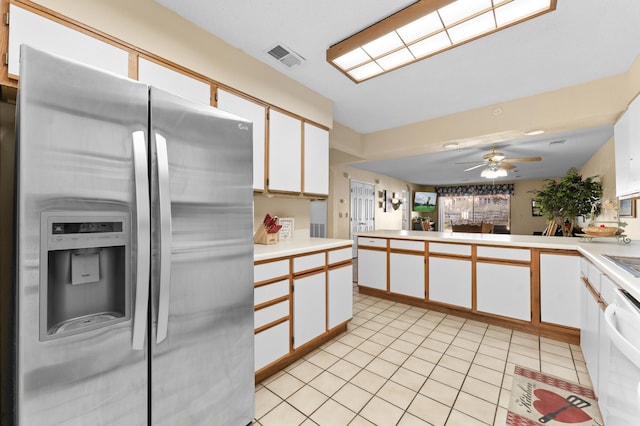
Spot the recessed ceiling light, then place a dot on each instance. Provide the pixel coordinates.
(451, 145)
(534, 132)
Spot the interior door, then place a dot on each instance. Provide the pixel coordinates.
(362, 210)
(202, 338)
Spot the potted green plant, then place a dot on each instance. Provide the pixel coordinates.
(564, 199)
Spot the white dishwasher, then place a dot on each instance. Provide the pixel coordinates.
(622, 322)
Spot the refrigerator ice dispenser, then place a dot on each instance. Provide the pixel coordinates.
(85, 278)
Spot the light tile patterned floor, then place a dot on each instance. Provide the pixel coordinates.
(402, 365)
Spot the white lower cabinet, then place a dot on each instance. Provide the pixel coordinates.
(560, 289)
(590, 334)
(406, 274)
(271, 344)
(372, 269)
(504, 290)
(450, 281)
(309, 308)
(340, 295)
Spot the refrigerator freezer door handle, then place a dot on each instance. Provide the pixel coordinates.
(144, 234)
(165, 238)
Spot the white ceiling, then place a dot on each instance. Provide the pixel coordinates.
(581, 41)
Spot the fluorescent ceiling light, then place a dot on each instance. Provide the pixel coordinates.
(366, 71)
(462, 9)
(472, 28)
(430, 45)
(420, 28)
(395, 59)
(425, 28)
(383, 45)
(517, 9)
(353, 58)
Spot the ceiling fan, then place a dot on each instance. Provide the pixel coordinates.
(495, 161)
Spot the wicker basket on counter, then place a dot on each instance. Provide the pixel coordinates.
(600, 231)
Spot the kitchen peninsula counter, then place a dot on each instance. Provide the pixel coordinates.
(528, 283)
(591, 250)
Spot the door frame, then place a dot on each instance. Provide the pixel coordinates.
(351, 203)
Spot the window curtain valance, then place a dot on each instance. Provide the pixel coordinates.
(460, 191)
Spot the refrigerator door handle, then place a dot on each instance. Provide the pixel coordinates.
(144, 234)
(164, 201)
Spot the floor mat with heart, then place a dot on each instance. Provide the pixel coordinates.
(541, 399)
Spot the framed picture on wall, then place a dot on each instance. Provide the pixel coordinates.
(287, 227)
(535, 209)
(627, 208)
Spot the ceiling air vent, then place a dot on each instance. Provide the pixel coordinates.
(285, 55)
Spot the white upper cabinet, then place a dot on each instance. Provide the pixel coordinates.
(316, 160)
(43, 34)
(172, 81)
(627, 152)
(285, 152)
(256, 113)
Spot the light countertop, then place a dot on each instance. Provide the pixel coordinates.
(295, 246)
(591, 250)
(531, 241)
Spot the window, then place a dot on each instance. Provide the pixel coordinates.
(495, 209)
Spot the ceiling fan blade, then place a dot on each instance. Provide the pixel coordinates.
(475, 167)
(521, 160)
(472, 162)
(507, 166)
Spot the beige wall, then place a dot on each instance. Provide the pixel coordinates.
(297, 208)
(339, 220)
(603, 165)
(522, 223)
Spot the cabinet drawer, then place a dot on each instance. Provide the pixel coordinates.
(269, 314)
(271, 291)
(311, 261)
(340, 255)
(607, 290)
(271, 344)
(584, 267)
(459, 249)
(407, 245)
(271, 270)
(504, 253)
(594, 275)
(372, 242)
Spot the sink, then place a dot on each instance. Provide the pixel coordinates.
(629, 264)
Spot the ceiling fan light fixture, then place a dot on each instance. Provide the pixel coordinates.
(426, 28)
(492, 173)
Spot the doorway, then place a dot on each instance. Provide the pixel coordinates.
(362, 210)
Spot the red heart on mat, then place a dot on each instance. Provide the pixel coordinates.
(548, 402)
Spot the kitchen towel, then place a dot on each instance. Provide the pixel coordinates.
(541, 399)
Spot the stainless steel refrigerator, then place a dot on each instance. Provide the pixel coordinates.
(134, 253)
